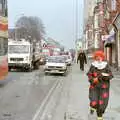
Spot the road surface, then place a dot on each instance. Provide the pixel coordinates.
(34, 96)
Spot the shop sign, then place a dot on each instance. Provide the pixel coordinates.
(3, 27)
(110, 38)
(105, 37)
(112, 31)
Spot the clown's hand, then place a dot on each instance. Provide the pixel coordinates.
(95, 81)
(105, 74)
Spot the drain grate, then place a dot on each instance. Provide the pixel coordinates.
(7, 115)
(72, 116)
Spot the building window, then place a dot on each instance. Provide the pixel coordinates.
(96, 21)
(3, 8)
(3, 46)
(99, 1)
(113, 4)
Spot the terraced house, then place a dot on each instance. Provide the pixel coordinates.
(105, 27)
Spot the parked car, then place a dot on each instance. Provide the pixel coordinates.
(55, 64)
(68, 59)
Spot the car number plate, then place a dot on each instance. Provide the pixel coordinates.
(17, 62)
(55, 70)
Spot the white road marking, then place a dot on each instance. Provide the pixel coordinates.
(45, 111)
(44, 102)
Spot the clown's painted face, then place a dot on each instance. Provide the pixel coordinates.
(99, 58)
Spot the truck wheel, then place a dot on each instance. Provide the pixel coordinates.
(36, 65)
(30, 68)
(9, 68)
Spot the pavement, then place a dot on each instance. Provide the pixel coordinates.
(78, 100)
(78, 96)
(76, 105)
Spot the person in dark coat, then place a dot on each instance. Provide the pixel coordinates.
(99, 76)
(82, 59)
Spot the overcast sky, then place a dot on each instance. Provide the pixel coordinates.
(58, 17)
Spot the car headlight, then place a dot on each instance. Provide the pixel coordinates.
(64, 67)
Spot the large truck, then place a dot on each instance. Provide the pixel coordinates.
(56, 51)
(47, 52)
(23, 54)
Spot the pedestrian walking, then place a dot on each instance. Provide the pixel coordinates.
(73, 56)
(99, 76)
(82, 59)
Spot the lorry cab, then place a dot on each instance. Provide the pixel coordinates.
(20, 54)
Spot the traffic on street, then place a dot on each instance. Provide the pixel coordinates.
(60, 60)
(24, 93)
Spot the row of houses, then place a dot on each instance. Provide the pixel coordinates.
(102, 28)
(3, 28)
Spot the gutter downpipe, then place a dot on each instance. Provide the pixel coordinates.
(116, 48)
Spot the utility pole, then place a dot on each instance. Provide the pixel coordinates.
(76, 20)
(76, 25)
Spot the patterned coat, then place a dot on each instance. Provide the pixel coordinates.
(99, 91)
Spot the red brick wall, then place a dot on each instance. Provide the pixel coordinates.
(118, 5)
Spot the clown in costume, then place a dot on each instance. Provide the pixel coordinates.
(99, 76)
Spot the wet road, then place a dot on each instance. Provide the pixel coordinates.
(22, 96)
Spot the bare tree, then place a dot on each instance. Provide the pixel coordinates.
(30, 27)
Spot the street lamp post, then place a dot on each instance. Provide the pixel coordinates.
(76, 37)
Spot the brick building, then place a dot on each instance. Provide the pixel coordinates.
(112, 44)
(102, 29)
(112, 30)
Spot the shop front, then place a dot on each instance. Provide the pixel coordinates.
(116, 24)
(109, 47)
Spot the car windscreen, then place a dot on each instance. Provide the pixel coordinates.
(65, 57)
(56, 60)
(18, 49)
